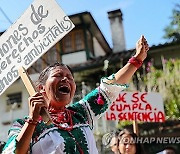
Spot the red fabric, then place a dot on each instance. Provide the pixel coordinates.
(136, 62)
(62, 116)
(31, 121)
(100, 99)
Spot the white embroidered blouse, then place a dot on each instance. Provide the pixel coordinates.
(52, 140)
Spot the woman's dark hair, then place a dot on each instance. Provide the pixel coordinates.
(170, 148)
(134, 136)
(45, 73)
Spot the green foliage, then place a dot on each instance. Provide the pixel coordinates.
(172, 31)
(122, 124)
(167, 83)
(172, 99)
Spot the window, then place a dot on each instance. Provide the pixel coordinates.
(14, 101)
(68, 43)
(52, 55)
(36, 67)
(73, 41)
(78, 40)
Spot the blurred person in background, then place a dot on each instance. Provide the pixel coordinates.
(127, 143)
(168, 150)
(2, 144)
(114, 143)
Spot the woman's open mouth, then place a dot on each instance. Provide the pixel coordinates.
(64, 89)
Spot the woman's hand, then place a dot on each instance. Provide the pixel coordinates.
(125, 74)
(141, 49)
(36, 102)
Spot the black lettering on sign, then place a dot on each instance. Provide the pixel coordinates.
(8, 78)
(36, 17)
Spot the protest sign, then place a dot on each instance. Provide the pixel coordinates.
(41, 26)
(137, 106)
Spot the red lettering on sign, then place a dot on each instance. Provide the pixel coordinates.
(134, 106)
(142, 97)
(107, 117)
(122, 116)
(136, 99)
(139, 117)
(127, 107)
(140, 106)
(112, 106)
(112, 116)
(121, 98)
(119, 107)
(148, 116)
(148, 107)
(151, 117)
(130, 116)
(160, 117)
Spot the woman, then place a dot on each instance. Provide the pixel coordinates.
(70, 131)
(127, 143)
(114, 143)
(110, 140)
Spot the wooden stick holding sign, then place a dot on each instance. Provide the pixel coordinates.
(31, 90)
(135, 127)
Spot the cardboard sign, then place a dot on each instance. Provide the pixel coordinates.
(42, 25)
(138, 106)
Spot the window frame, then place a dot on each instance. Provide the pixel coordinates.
(72, 36)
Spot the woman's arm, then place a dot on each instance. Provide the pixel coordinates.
(24, 137)
(124, 74)
(110, 88)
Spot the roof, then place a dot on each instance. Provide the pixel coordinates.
(99, 61)
(116, 57)
(86, 18)
(167, 44)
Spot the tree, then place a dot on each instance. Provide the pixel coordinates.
(166, 82)
(172, 31)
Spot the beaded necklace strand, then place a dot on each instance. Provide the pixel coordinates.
(63, 120)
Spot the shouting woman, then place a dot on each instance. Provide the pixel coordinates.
(71, 128)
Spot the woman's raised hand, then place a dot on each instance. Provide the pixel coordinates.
(141, 48)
